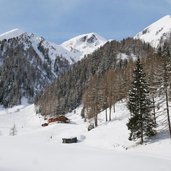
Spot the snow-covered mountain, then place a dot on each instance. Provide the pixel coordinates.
(54, 49)
(28, 64)
(73, 50)
(156, 32)
(84, 44)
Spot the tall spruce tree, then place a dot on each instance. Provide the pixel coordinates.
(141, 122)
(165, 79)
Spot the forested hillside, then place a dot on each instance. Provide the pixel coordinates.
(112, 64)
(27, 67)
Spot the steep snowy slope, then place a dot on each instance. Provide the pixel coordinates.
(53, 49)
(159, 30)
(84, 44)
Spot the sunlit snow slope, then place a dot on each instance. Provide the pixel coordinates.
(153, 34)
(84, 44)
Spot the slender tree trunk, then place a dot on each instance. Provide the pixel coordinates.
(167, 109)
(114, 107)
(154, 112)
(142, 125)
(95, 117)
(142, 136)
(95, 121)
(106, 115)
(110, 108)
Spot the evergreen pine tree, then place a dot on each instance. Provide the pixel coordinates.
(141, 121)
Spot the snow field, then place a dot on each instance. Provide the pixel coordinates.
(106, 147)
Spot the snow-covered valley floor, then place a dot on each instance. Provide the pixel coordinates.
(106, 147)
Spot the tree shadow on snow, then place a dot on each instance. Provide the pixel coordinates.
(162, 135)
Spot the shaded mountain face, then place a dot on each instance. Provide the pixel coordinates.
(156, 33)
(84, 44)
(27, 65)
(67, 92)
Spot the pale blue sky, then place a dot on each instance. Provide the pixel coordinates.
(59, 20)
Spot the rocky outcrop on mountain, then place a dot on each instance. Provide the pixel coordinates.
(84, 44)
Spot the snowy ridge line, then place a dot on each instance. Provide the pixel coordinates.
(73, 50)
(11, 34)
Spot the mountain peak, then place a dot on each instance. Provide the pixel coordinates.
(11, 34)
(84, 44)
(156, 31)
(90, 37)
